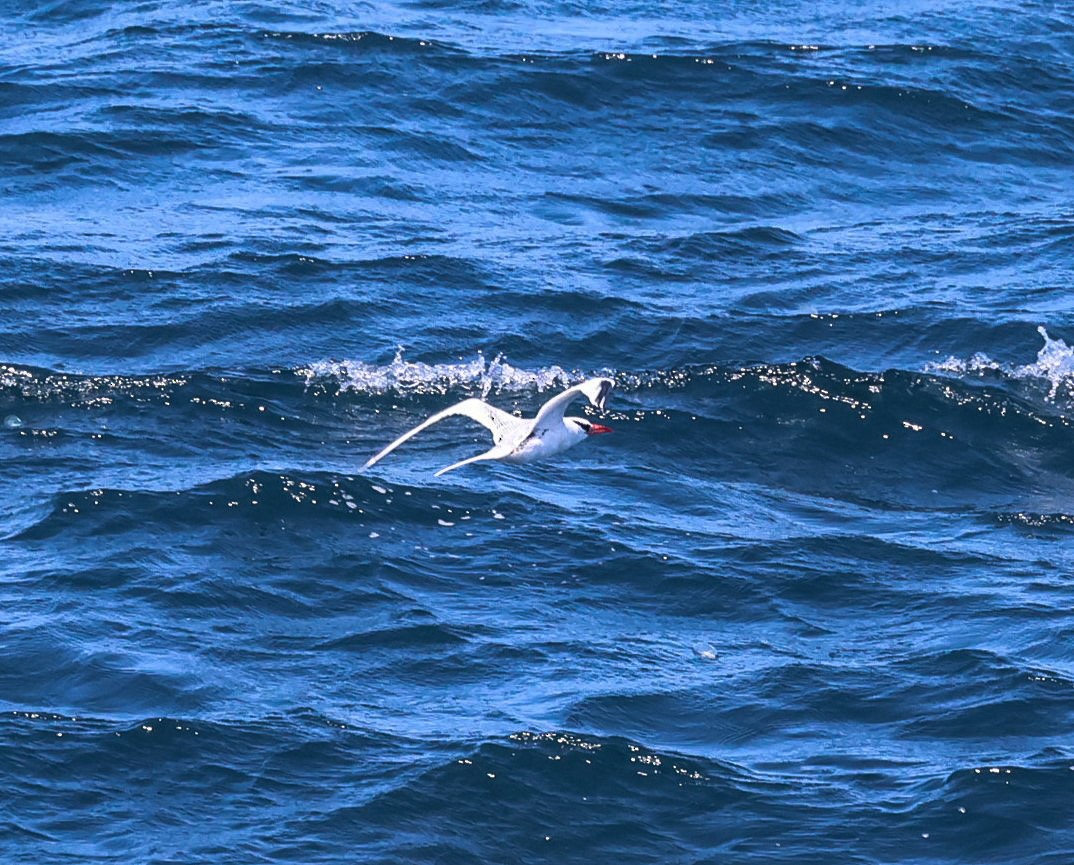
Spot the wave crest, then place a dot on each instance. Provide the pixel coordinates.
(1054, 364)
(414, 377)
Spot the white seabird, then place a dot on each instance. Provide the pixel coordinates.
(522, 440)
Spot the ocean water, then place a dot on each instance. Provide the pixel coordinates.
(812, 602)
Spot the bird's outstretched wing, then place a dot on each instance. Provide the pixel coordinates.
(501, 424)
(494, 454)
(596, 390)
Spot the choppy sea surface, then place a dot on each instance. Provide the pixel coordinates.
(812, 602)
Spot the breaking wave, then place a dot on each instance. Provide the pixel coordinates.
(415, 377)
(1054, 364)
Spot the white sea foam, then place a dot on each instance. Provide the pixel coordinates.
(405, 376)
(1054, 364)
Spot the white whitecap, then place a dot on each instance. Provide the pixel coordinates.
(406, 376)
(1054, 364)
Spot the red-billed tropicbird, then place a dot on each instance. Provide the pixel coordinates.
(522, 440)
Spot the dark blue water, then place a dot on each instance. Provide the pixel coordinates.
(812, 602)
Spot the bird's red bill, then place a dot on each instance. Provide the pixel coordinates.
(596, 429)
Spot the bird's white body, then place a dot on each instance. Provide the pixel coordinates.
(522, 440)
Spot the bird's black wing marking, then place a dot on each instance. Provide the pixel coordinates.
(602, 396)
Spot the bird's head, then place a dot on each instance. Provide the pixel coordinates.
(587, 427)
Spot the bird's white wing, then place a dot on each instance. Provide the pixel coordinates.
(494, 454)
(596, 390)
(501, 424)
